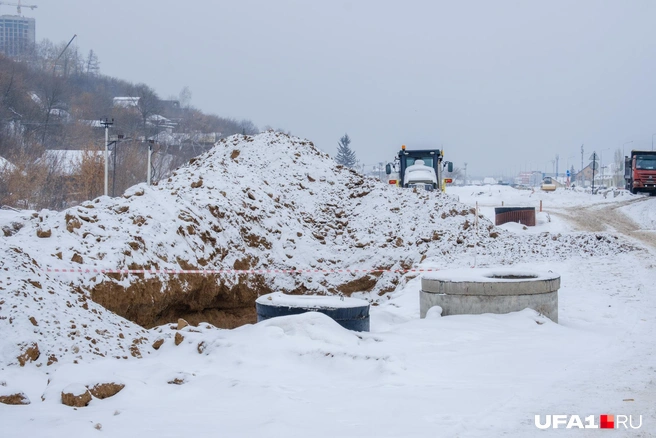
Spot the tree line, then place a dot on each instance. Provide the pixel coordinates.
(53, 98)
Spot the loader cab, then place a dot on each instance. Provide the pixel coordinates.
(417, 168)
(431, 158)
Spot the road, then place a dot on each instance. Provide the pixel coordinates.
(608, 218)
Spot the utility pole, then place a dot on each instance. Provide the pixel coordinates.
(106, 124)
(594, 167)
(582, 176)
(150, 152)
(465, 174)
(557, 158)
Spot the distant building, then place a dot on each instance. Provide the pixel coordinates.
(489, 181)
(531, 178)
(17, 35)
(584, 176)
(170, 109)
(126, 102)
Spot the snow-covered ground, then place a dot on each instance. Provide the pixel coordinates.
(304, 375)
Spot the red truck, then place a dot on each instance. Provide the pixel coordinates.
(640, 172)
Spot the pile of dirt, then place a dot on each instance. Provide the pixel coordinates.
(263, 203)
(44, 321)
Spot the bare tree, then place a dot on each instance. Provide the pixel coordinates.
(248, 127)
(23, 182)
(148, 105)
(88, 178)
(618, 177)
(50, 97)
(456, 175)
(185, 97)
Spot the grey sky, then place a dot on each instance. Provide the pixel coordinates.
(502, 85)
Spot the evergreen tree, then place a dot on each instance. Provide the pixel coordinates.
(345, 155)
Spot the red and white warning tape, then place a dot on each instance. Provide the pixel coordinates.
(230, 271)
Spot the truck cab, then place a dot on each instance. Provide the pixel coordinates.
(640, 172)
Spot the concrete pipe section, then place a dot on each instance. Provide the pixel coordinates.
(350, 313)
(476, 291)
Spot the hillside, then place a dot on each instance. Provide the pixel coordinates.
(52, 104)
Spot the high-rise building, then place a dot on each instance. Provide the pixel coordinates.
(17, 35)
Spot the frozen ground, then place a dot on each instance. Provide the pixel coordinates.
(457, 376)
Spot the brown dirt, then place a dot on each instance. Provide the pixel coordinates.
(158, 343)
(52, 359)
(192, 297)
(362, 284)
(43, 233)
(105, 390)
(30, 353)
(134, 351)
(15, 399)
(72, 223)
(77, 401)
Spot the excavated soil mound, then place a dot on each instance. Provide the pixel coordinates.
(269, 202)
(263, 203)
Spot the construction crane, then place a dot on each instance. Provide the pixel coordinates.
(18, 6)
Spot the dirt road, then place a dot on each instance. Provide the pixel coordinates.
(608, 218)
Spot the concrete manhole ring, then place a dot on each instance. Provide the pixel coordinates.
(476, 291)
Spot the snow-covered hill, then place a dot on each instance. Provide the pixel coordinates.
(264, 203)
(252, 203)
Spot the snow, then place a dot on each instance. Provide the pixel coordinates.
(75, 389)
(278, 299)
(419, 172)
(305, 375)
(489, 275)
(6, 165)
(642, 214)
(68, 161)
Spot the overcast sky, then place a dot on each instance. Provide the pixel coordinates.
(501, 85)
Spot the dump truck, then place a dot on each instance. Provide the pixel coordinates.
(640, 172)
(418, 169)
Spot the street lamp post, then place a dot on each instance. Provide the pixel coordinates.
(568, 158)
(150, 153)
(115, 139)
(106, 124)
(601, 164)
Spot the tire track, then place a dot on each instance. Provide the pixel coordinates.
(606, 218)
